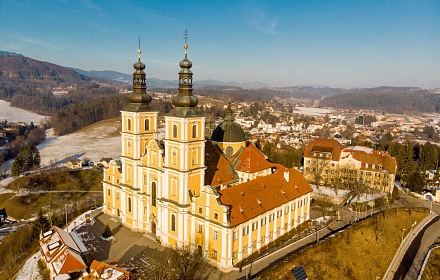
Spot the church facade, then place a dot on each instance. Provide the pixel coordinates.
(221, 196)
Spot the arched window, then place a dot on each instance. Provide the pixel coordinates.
(128, 124)
(147, 124)
(129, 204)
(153, 194)
(194, 157)
(174, 131)
(173, 222)
(229, 151)
(194, 131)
(174, 157)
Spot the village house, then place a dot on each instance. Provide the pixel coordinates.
(63, 253)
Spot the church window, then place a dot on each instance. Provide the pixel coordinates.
(174, 130)
(128, 124)
(215, 237)
(153, 193)
(286, 210)
(174, 157)
(216, 215)
(108, 192)
(200, 229)
(255, 226)
(214, 254)
(229, 151)
(129, 204)
(173, 222)
(235, 235)
(245, 230)
(147, 124)
(194, 131)
(173, 187)
(263, 221)
(194, 157)
(293, 206)
(200, 209)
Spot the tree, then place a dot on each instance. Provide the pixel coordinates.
(415, 182)
(186, 262)
(316, 170)
(107, 232)
(27, 159)
(41, 225)
(378, 227)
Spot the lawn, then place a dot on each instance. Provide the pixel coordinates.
(27, 206)
(432, 269)
(354, 253)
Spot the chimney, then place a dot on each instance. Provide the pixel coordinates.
(286, 175)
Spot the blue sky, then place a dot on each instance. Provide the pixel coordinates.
(281, 43)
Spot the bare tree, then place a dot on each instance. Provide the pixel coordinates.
(378, 227)
(316, 171)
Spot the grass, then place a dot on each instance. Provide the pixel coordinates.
(352, 254)
(432, 269)
(27, 206)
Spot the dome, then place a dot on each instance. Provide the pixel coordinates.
(139, 66)
(228, 131)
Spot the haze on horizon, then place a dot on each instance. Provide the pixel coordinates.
(280, 43)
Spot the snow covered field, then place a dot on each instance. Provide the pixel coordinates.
(311, 111)
(13, 114)
(95, 142)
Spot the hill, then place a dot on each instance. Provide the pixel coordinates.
(387, 99)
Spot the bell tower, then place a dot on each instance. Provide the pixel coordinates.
(139, 123)
(184, 166)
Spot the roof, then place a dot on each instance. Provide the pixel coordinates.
(252, 160)
(253, 198)
(99, 270)
(67, 261)
(228, 131)
(54, 240)
(324, 145)
(219, 170)
(387, 162)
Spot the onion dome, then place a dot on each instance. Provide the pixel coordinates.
(184, 97)
(228, 130)
(139, 94)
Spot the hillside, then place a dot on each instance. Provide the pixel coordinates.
(387, 99)
(29, 76)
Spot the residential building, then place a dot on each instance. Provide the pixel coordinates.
(327, 159)
(63, 253)
(219, 197)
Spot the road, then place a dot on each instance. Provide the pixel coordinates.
(408, 260)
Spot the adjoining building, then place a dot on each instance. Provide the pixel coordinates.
(327, 162)
(220, 197)
(63, 253)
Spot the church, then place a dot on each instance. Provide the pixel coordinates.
(220, 197)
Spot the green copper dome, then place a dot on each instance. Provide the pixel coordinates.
(228, 130)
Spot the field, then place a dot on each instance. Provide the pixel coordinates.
(363, 251)
(432, 269)
(57, 191)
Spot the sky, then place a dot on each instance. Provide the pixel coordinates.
(280, 43)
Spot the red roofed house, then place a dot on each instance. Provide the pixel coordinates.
(221, 196)
(63, 253)
(325, 159)
(99, 270)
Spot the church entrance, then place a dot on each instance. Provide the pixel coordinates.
(153, 228)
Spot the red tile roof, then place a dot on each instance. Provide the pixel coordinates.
(253, 198)
(252, 160)
(324, 145)
(67, 261)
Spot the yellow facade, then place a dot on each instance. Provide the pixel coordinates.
(158, 186)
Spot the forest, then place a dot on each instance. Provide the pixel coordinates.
(392, 100)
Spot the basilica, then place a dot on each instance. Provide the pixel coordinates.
(220, 196)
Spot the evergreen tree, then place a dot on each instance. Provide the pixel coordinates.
(41, 225)
(107, 232)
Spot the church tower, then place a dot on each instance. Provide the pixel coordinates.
(139, 126)
(184, 164)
